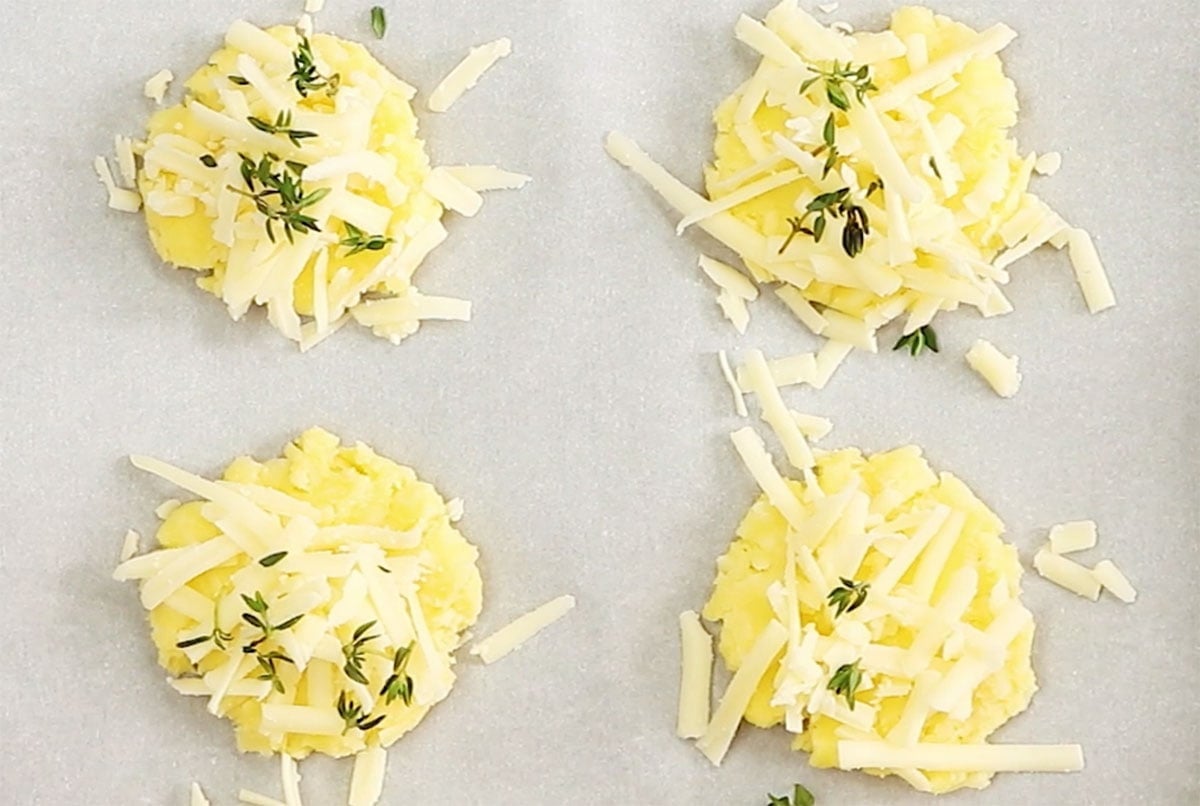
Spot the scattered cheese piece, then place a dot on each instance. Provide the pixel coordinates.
(129, 547)
(514, 635)
(156, 85)
(126, 201)
(1072, 536)
(290, 777)
(126, 161)
(1089, 271)
(1048, 164)
(739, 398)
(775, 412)
(729, 279)
(1115, 582)
(695, 676)
(813, 426)
(467, 73)
(366, 783)
(1067, 574)
(999, 370)
(754, 455)
(487, 177)
(197, 796)
(856, 755)
(313, 6)
(166, 508)
(734, 308)
(446, 188)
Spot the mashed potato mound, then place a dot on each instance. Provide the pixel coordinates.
(348, 486)
(899, 485)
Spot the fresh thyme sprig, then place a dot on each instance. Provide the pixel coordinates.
(378, 21)
(279, 195)
(266, 662)
(933, 166)
(208, 160)
(848, 597)
(846, 680)
(837, 78)
(829, 146)
(282, 125)
(305, 74)
(358, 241)
(355, 651)
(399, 685)
(834, 204)
(800, 797)
(352, 714)
(918, 340)
(260, 617)
(219, 637)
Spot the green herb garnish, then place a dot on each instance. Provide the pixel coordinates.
(266, 662)
(918, 340)
(829, 146)
(837, 78)
(834, 204)
(846, 680)
(272, 559)
(933, 166)
(354, 653)
(848, 597)
(358, 241)
(800, 797)
(279, 195)
(400, 684)
(305, 74)
(352, 714)
(209, 160)
(260, 618)
(378, 21)
(282, 125)
(239, 81)
(219, 637)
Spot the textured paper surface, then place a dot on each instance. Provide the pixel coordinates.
(582, 415)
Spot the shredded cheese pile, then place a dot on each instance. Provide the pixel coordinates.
(315, 544)
(366, 207)
(875, 567)
(923, 153)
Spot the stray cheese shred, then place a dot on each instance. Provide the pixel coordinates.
(366, 783)
(514, 635)
(197, 796)
(695, 676)
(1072, 536)
(999, 370)
(854, 755)
(466, 74)
(1067, 574)
(1115, 582)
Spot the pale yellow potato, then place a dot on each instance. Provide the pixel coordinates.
(352, 485)
(756, 558)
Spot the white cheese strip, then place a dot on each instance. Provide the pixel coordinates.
(252, 798)
(714, 744)
(775, 412)
(695, 676)
(740, 196)
(261, 523)
(366, 782)
(198, 687)
(917, 707)
(130, 545)
(878, 146)
(185, 567)
(120, 199)
(197, 796)
(1115, 582)
(305, 24)
(854, 755)
(735, 234)
(813, 427)
(313, 6)
(728, 278)
(277, 718)
(766, 42)
(894, 571)
(156, 86)
(1067, 574)
(166, 508)
(1050, 226)
(828, 359)
(809, 316)
(513, 636)
(290, 777)
(848, 329)
(1089, 271)
(754, 455)
(991, 41)
(794, 369)
(999, 370)
(447, 189)
(735, 310)
(254, 41)
(486, 177)
(467, 73)
(739, 398)
(1073, 536)
(126, 161)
